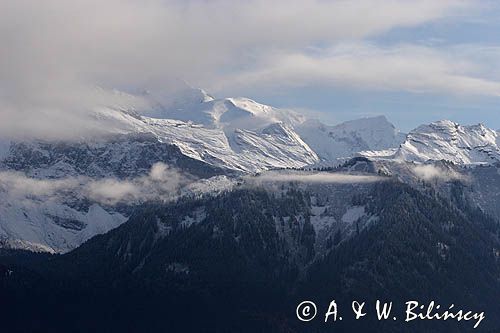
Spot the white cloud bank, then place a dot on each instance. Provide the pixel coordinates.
(54, 52)
(409, 68)
(430, 172)
(317, 177)
(163, 183)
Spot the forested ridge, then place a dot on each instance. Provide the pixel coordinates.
(243, 260)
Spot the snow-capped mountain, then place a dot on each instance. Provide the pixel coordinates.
(273, 146)
(56, 195)
(197, 106)
(93, 184)
(210, 138)
(340, 142)
(233, 133)
(244, 135)
(447, 140)
(241, 134)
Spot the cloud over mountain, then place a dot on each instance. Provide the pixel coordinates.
(161, 184)
(53, 53)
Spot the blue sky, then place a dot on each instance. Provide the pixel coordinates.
(405, 110)
(414, 61)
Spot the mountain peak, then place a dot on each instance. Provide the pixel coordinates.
(335, 143)
(448, 140)
(366, 123)
(190, 97)
(444, 123)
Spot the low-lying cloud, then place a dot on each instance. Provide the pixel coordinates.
(317, 177)
(430, 172)
(163, 183)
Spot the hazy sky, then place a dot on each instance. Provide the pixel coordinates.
(414, 61)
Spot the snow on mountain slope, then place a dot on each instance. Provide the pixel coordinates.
(52, 226)
(274, 146)
(118, 156)
(218, 137)
(194, 132)
(336, 143)
(447, 140)
(234, 133)
(278, 143)
(197, 106)
(56, 195)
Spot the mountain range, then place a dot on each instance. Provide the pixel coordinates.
(197, 137)
(226, 202)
